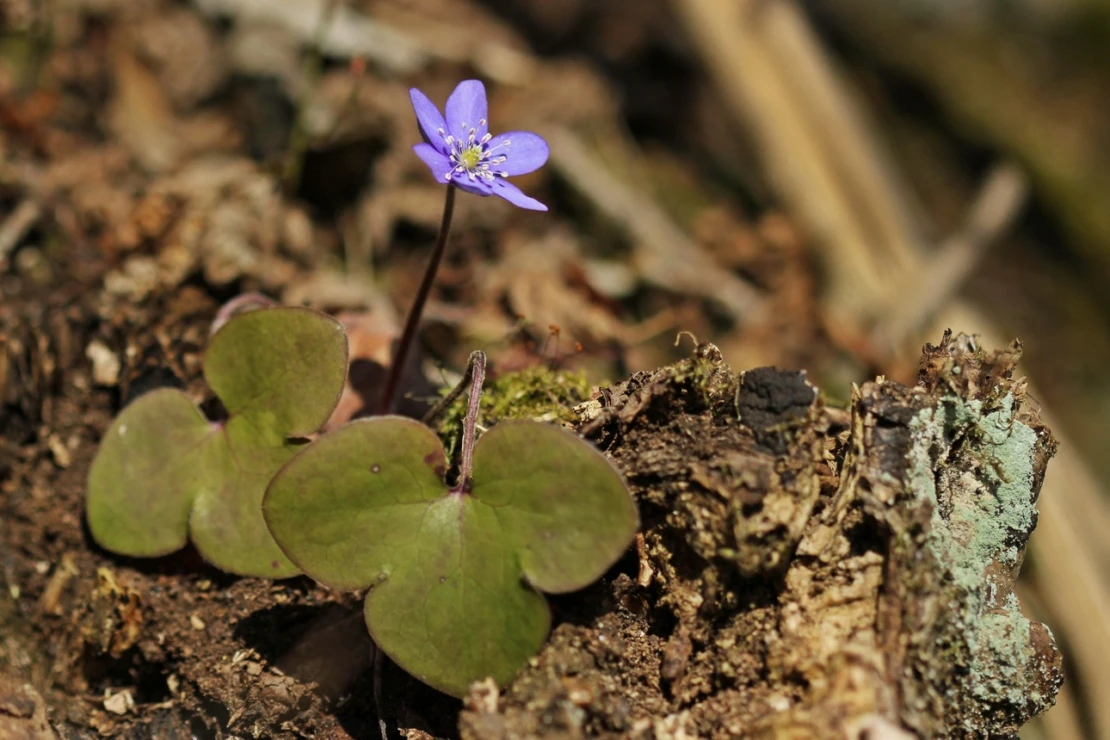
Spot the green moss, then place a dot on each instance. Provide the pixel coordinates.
(707, 377)
(539, 393)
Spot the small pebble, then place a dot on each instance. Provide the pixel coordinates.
(105, 363)
(120, 703)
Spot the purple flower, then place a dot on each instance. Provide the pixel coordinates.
(460, 150)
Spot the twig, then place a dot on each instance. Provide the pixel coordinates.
(917, 299)
(453, 395)
(310, 73)
(476, 369)
(21, 220)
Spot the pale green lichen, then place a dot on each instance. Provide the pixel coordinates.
(990, 499)
(977, 467)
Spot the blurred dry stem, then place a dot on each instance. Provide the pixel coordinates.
(16, 225)
(1003, 90)
(664, 255)
(770, 68)
(912, 303)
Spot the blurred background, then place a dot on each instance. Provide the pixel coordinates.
(823, 185)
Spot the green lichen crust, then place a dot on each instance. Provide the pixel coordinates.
(975, 463)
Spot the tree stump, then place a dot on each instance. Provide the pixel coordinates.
(807, 571)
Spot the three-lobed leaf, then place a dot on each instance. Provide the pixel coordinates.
(455, 575)
(165, 474)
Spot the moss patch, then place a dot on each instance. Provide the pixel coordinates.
(539, 393)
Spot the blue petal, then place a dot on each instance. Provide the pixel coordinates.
(478, 186)
(437, 163)
(513, 194)
(524, 151)
(429, 118)
(467, 109)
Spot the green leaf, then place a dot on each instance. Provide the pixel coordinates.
(454, 575)
(130, 452)
(165, 474)
(279, 368)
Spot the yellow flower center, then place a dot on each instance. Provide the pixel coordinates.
(470, 157)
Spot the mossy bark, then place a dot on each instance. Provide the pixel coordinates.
(807, 571)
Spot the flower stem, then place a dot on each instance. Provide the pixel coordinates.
(408, 336)
(476, 369)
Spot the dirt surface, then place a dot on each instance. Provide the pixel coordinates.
(798, 570)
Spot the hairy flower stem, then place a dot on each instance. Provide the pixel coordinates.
(476, 369)
(412, 322)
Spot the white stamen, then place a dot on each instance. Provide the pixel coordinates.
(472, 156)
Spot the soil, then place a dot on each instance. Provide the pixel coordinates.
(758, 586)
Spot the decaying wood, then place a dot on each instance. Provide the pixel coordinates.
(816, 574)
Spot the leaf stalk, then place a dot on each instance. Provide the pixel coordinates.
(476, 369)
